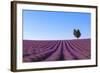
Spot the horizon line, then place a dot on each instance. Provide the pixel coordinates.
(57, 40)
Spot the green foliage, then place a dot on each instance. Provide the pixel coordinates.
(77, 33)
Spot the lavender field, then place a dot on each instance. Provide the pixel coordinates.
(56, 50)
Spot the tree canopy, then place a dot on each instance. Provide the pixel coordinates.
(77, 33)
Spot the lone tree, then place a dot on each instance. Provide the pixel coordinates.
(76, 33)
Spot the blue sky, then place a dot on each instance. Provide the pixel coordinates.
(48, 25)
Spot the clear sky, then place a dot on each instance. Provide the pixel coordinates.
(48, 25)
